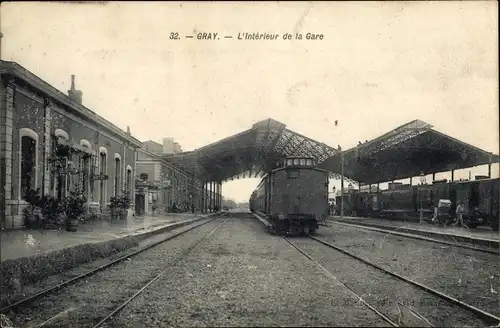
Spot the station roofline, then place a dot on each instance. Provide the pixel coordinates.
(407, 151)
(19, 73)
(253, 151)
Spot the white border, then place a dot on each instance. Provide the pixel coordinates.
(26, 132)
(117, 156)
(103, 150)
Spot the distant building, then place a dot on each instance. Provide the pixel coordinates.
(152, 147)
(168, 147)
(171, 147)
(163, 184)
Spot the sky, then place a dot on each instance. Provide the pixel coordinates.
(379, 65)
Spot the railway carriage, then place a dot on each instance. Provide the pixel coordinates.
(480, 198)
(293, 197)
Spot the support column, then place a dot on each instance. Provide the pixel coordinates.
(200, 192)
(220, 198)
(217, 195)
(341, 183)
(202, 205)
(410, 181)
(210, 205)
(205, 193)
(433, 177)
(452, 175)
(46, 151)
(6, 98)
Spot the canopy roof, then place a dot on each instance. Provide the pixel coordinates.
(405, 152)
(401, 153)
(251, 152)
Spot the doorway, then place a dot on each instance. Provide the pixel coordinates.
(140, 204)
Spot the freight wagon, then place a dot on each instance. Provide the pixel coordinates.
(480, 198)
(293, 197)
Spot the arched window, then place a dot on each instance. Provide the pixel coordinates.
(59, 181)
(85, 167)
(28, 161)
(129, 179)
(103, 163)
(61, 134)
(118, 160)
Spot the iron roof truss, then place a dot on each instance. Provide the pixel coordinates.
(406, 152)
(250, 153)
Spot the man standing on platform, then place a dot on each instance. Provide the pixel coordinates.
(460, 214)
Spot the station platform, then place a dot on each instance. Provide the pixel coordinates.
(16, 244)
(481, 235)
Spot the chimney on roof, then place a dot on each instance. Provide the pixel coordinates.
(75, 95)
(128, 130)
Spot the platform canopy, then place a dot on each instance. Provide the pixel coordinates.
(250, 153)
(405, 152)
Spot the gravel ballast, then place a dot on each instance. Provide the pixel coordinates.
(384, 292)
(28, 289)
(243, 276)
(84, 303)
(468, 275)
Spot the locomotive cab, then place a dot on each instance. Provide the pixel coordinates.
(293, 196)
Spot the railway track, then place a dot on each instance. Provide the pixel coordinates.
(419, 237)
(53, 289)
(419, 319)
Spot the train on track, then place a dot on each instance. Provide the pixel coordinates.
(293, 197)
(480, 199)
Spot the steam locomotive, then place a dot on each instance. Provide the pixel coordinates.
(293, 197)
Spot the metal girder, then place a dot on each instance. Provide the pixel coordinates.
(267, 137)
(337, 176)
(396, 136)
(405, 152)
(283, 142)
(295, 144)
(267, 141)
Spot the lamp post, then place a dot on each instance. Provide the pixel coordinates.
(331, 206)
(422, 182)
(341, 183)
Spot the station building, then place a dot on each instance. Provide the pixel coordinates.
(51, 141)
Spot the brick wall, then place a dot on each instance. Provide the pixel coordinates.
(4, 116)
(27, 111)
